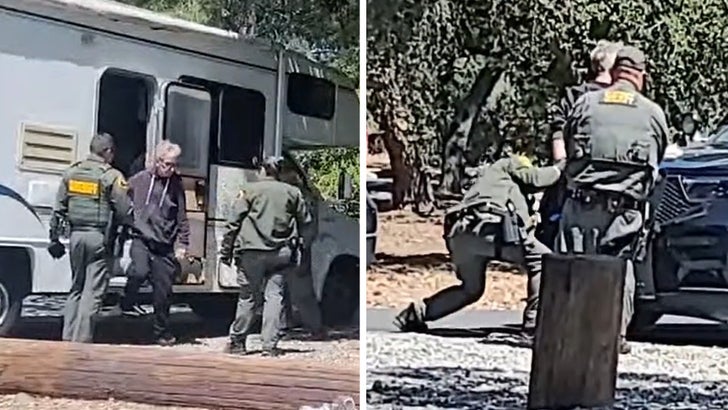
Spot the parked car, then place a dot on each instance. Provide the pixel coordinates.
(687, 271)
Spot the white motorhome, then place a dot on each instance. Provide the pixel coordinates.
(72, 68)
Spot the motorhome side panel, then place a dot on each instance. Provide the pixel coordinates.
(317, 127)
(347, 118)
(52, 78)
(46, 118)
(46, 40)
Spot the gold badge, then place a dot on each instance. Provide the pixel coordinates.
(86, 188)
(618, 97)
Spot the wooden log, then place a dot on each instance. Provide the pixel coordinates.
(574, 362)
(167, 377)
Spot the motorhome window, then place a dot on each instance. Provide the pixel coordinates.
(311, 96)
(187, 123)
(125, 102)
(242, 125)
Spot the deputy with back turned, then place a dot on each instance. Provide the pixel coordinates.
(493, 222)
(602, 59)
(92, 199)
(262, 235)
(615, 139)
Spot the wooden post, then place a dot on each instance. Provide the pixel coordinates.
(574, 362)
(167, 377)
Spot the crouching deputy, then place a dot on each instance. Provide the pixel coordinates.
(493, 222)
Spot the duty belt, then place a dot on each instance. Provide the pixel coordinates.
(614, 201)
(87, 227)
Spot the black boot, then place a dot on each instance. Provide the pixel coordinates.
(271, 352)
(410, 320)
(624, 346)
(236, 347)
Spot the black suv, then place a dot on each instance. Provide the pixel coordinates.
(687, 271)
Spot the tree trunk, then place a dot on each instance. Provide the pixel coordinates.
(166, 377)
(401, 174)
(574, 362)
(457, 139)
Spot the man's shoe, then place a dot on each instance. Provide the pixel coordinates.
(134, 311)
(166, 340)
(624, 346)
(410, 320)
(319, 336)
(272, 352)
(236, 347)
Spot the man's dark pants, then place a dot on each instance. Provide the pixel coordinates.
(159, 265)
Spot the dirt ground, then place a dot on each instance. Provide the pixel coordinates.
(24, 401)
(412, 262)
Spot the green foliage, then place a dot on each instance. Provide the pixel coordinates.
(323, 166)
(424, 56)
(326, 31)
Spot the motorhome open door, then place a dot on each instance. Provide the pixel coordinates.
(186, 122)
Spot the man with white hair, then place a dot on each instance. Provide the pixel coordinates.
(161, 237)
(601, 61)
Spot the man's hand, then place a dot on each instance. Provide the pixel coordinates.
(180, 253)
(226, 260)
(560, 164)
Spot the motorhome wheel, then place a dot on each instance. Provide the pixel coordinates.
(10, 305)
(340, 299)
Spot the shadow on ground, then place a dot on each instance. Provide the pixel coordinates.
(423, 260)
(435, 260)
(670, 334)
(497, 389)
(42, 319)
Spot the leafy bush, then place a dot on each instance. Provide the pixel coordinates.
(425, 58)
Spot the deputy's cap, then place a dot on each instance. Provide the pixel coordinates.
(631, 57)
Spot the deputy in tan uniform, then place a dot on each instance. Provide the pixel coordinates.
(493, 222)
(92, 199)
(615, 139)
(262, 234)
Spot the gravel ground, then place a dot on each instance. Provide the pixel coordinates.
(418, 371)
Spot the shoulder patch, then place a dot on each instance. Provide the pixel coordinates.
(618, 97)
(121, 182)
(524, 161)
